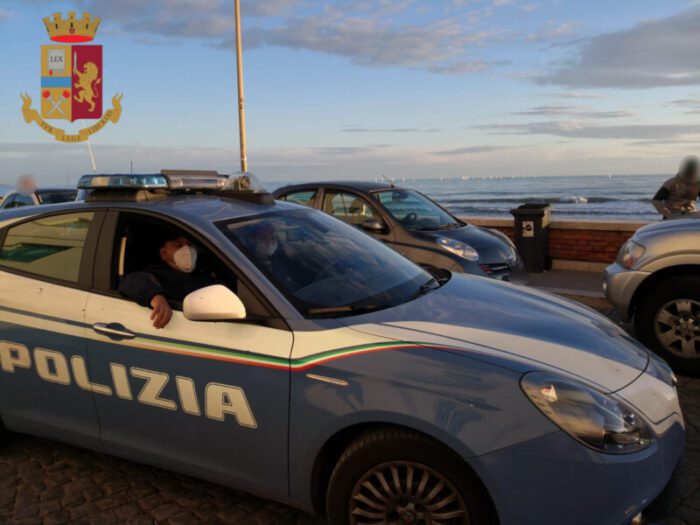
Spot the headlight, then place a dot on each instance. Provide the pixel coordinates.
(630, 253)
(459, 248)
(593, 418)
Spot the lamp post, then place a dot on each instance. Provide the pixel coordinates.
(241, 107)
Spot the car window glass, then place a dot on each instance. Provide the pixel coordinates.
(22, 200)
(347, 207)
(305, 198)
(7, 201)
(413, 210)
(49, 247)
(55, 197)
(321, 263)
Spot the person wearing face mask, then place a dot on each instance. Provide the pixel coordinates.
(677, 197)
(161, 285)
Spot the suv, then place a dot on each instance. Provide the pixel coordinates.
(656, 282)
(412, 224)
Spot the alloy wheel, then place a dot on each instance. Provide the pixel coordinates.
(677, 326)
(406, 493)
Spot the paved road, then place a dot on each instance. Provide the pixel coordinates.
(44, 482)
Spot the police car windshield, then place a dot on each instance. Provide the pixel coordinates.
(324, 266)
(414, 211)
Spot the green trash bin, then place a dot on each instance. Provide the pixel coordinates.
(531, 223)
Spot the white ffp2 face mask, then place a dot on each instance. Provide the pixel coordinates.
(185, 259)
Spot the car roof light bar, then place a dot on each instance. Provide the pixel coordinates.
(123, 182)
(243, 186)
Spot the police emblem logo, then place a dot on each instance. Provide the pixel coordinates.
(71, 79)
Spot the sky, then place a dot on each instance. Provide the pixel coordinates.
(370, 88)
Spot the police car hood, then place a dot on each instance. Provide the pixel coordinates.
(515, 326)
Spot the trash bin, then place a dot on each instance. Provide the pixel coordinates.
(531, 223)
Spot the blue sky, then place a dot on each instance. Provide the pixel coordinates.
(361, 88)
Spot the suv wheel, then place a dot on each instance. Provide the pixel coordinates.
(668, 322)
(403, 478)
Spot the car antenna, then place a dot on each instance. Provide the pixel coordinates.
(391, 182)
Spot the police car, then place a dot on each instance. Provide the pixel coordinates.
(326, 370)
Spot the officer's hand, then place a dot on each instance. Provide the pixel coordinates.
(161, 311)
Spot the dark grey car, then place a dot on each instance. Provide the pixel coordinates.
(412, 224)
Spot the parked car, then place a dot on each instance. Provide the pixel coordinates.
(412, 224)
(656, 283)
(16, 199)
(329, 371)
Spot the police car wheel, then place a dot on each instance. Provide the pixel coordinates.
(668, 322)
(403, 478)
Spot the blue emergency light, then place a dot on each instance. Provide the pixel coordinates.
(244, 186)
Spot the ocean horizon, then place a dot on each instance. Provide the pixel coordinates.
(586, 197)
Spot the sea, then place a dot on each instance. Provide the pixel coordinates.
(607, 197)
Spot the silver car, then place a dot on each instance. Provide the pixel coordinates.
(656, 282)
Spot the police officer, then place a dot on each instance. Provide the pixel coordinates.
(168, 282)
(676, 198)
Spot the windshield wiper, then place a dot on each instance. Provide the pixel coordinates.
(448, 226)
(423, 289)
(350, 308)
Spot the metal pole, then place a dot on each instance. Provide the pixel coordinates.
(92, 157)
(241, 107)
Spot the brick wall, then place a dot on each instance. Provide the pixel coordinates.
(580, 241)
(586, 245)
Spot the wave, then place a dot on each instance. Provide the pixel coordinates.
(533, 200)
(614, 214)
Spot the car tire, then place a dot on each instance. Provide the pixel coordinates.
(356, 493)
(657, 312)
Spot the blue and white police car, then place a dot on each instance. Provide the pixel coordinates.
(323, 369)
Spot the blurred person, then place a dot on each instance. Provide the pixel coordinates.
(677, 196)
(26, 184)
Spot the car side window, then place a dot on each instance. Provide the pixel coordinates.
(136, 250)
(49, 247)
(8, 201)
(348, 207)
(305, 198)
(21, 200)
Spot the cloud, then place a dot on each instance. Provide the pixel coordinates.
(5, 14)
(651, 54)
(576, 129)
(573, 111)
(375, 34)
(469, 150)
(571, 94)
(438, 46)
(554, 32)
(690, 105)
(353, 129)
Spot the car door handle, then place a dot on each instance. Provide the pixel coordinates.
(113, 330)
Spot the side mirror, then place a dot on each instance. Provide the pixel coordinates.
(213, 303)
(373, 226)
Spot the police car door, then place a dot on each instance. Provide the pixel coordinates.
(207, 398)
(45, 271)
